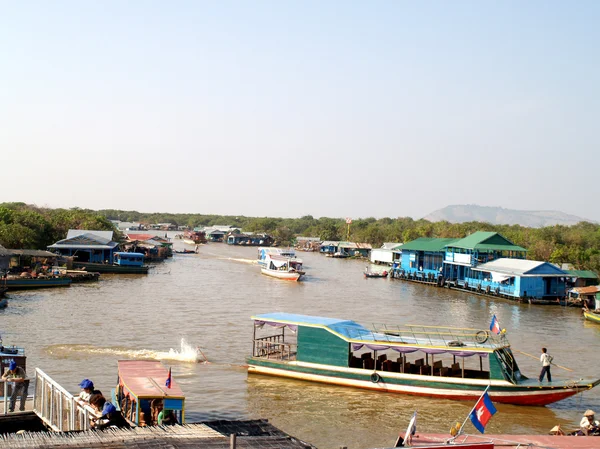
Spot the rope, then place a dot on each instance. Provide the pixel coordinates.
(537, 358)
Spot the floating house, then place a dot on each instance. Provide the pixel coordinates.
(5, 255)
(425, 256)
(475, 249)
(388, 254)
(217, 233)
(345, 249)
(250, 239)
(87, 246)
(519, 278)
(152, 246)
(308, 244)
(582, 278)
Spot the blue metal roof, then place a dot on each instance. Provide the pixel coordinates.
(130, 254)
(301, 320)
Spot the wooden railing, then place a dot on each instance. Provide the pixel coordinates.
(57, 407)
(274, 347)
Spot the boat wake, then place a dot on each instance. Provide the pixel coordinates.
(186, 352)
(248, 261)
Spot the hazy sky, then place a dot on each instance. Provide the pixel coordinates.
(287, 108)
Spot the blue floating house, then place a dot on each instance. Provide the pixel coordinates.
(250, 239)
(480, 247)
(485, 262)
(519, 278)
(425, 256)
(87, 246)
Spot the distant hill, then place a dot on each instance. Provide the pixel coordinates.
(499, 215)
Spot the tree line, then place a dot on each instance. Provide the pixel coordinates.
(26, 226)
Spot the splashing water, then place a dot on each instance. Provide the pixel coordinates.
(186, 352)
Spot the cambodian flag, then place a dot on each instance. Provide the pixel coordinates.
(494, 325)
(482, 412)
(168, 382)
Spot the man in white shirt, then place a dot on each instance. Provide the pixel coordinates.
(546, 360)
(588, 424)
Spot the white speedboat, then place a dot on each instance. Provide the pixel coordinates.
(282, 267)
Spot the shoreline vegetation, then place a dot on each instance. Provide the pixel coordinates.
(29, 226)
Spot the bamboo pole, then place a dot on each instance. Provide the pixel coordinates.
(537, 358)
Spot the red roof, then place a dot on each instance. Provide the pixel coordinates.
(140, 237)
(147, 379)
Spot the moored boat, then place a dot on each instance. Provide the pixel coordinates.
(372, 274)
(592, 316)
(441, 441)
(282, 267)
(124, 263)
(145, 387)
(21, 283)
(441, 362)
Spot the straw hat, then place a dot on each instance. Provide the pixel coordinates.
(589, 413)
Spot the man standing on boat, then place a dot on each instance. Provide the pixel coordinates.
(17, 376)
(546, 360)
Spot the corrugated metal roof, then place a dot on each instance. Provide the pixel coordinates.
(89, 240)
(520, 267)
(353, 245)
(586, 290)
(427, 244)
(107, 235)
(32, 253)
(582, 274)
(140, 237)
(109, 246)
(391, 245)
(330, 243)
(482, 240)
(4, 251)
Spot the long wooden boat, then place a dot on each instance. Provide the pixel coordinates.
(371, 274)
(141, 386)
(19, 283)
(110, 268)
(591, 316)
(440, 362)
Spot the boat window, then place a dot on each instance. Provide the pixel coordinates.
(419, 362)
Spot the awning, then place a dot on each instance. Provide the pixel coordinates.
(409, 349)
(499, 277)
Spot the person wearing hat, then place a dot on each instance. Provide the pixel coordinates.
(17, 376)
(588, 424)
(111, 417)
(87, 389)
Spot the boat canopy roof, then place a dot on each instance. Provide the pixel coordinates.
(130, 254)
(146, 379)
(408, 338)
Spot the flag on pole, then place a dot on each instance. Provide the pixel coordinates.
(168, 382)
(495, 325)
(482, 412)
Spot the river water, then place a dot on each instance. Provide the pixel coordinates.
(206, 300)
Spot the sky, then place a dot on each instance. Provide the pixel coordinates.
(328, 108)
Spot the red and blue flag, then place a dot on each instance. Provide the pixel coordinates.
(482, 412)
(168, 382)
(495, 325)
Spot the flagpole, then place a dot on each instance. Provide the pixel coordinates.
(467, 418)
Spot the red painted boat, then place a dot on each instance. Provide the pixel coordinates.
(441, 441)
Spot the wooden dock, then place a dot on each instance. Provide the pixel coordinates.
(258, 434)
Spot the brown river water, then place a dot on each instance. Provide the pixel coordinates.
(207, 300)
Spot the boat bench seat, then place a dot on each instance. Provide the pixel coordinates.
(425, 369)
(369, 364)
(386, 365)
(444, 371)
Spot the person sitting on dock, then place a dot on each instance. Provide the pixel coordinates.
(17, 376)
(589, 425)
(111, 417)
(167, 418)
(87, 389)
